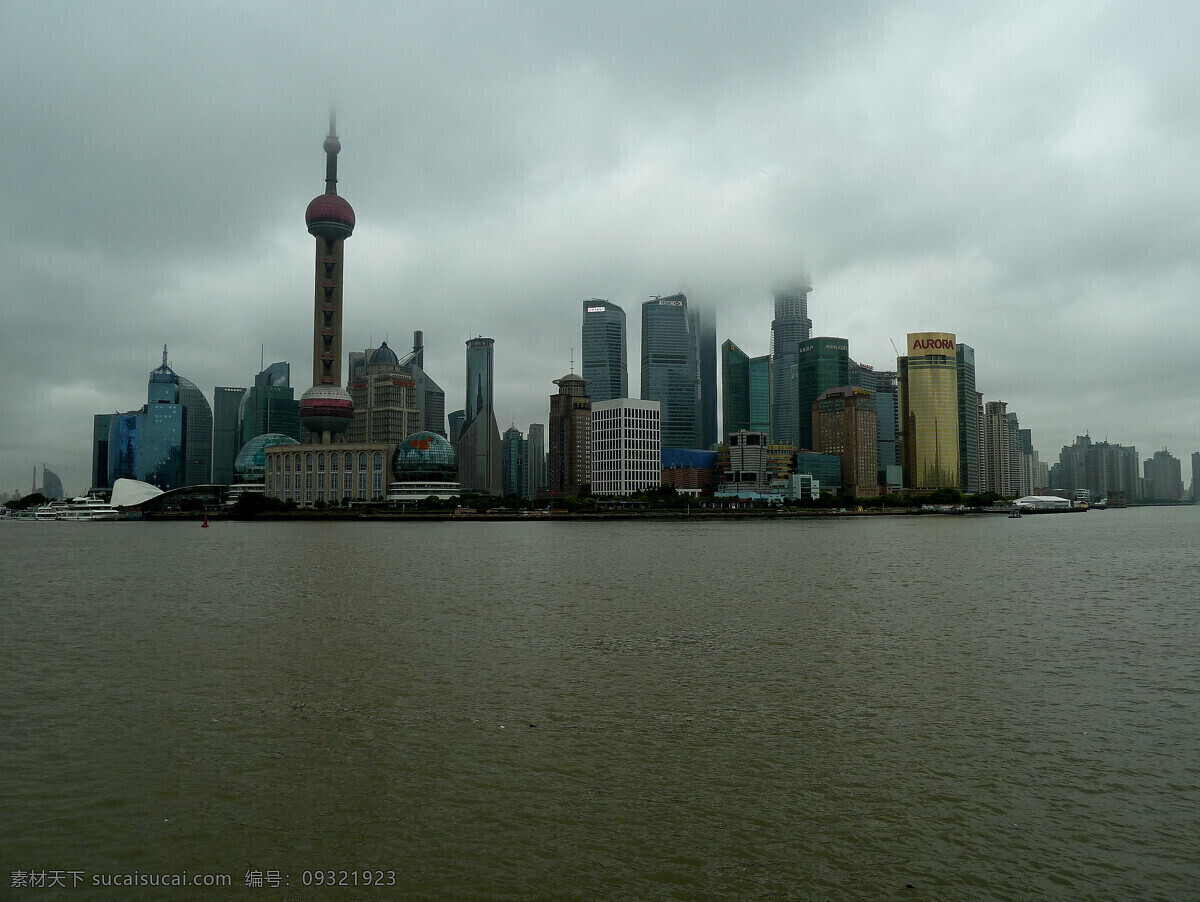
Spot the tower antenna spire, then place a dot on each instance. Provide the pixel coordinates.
(164, 355)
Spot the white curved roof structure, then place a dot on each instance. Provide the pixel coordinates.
(131, 492)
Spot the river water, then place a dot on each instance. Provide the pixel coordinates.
(861, 708)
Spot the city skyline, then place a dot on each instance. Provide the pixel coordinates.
(1034, 204)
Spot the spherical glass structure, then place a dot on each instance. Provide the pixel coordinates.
(424, 457)
(250, 465)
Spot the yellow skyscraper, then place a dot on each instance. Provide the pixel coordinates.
(928, 389)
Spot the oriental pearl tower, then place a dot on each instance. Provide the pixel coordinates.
(326, 408)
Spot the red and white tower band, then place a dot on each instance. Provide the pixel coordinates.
(326, 408)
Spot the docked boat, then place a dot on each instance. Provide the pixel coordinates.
(46, 512)
(87, 509)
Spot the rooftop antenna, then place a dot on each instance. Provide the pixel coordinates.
(164, 355)
(572, 361)
(262, 357)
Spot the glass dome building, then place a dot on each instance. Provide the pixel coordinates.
(423, 465)
(250, 465)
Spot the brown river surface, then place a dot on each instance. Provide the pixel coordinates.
(862, 708)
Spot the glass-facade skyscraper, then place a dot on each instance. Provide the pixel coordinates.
(100, 424)
(269, 406)
(735, 389)
(760, 394)
(670, 370)
(790, 327)
(168, 443)
(703, 325)
(480, 370)
(513, 462)
(605, 366)
(928, 383)
(968, 421)
(227, 400)
(197, 464)
(478, 445)
(821, 364)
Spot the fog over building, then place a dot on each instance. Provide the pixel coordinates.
(790, 327)
(703, 325)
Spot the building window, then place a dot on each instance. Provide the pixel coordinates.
(334, 459)
(308, 462)
(321, 462)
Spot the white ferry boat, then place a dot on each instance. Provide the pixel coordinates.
(88, 509)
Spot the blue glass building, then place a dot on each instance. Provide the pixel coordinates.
(605, 365)
(670, 369)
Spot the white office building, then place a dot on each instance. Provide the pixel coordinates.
(626, 446)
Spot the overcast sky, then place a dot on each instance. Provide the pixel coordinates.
(1021, 174)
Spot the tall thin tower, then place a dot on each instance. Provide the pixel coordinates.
(326, 408)
(790, 327)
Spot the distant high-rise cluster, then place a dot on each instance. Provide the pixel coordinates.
(801, 420)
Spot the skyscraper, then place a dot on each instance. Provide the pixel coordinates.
(887, 419)
(735, 389)
(100, 424)
(269, 406)
(478, 447)
(1196, 476)
(1017, 484)
(790, 327)
(1102, 469)
(670, 370)
(537, 478)
(968, 420)
(385, 400)
(431, 400)
(844, 423)
(703, 326)
(570, 428)
(150, 444)
(326, 408)
(760, 394)
(226, 433)
(996, 476)
(605, 367)
(1164, 481)
(821, 364)
(928, 395)
(512, 463)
